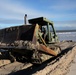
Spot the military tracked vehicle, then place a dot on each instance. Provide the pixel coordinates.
(35, 42)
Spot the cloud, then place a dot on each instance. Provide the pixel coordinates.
(13, 11)
(10, 21)
(64, 5)
(66, 24)
(17, 11)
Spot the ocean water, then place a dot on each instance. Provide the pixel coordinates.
(67, 36)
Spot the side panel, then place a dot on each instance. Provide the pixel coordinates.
(9, 35)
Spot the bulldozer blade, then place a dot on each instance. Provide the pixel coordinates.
(44, 47)
(34, 40)
(47, 50)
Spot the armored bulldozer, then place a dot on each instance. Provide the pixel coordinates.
(34, 42)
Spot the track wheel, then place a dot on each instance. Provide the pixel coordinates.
(36, 58)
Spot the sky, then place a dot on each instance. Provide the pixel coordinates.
(61, 12)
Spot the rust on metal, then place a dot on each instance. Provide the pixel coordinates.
(47, 50)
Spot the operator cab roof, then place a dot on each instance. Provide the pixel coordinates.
(40, 21)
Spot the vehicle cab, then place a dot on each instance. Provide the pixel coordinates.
(46, 28)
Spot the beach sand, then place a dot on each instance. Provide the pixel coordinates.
(73, 68)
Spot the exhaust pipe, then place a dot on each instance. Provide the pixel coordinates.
(25, 19)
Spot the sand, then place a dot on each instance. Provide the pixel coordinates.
(3, 60)
(73, 68)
